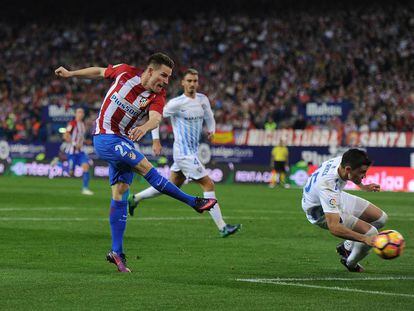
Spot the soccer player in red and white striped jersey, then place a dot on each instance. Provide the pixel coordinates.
(128, 103)
(132, 106)
(74, 138)
(75, 133)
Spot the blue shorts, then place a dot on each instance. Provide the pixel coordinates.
(121, 155)
(77, 159)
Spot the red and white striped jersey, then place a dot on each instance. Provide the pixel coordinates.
(126, 104)
(77, 133)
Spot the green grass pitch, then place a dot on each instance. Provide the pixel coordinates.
(54, 241)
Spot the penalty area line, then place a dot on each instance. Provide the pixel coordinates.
(333, 288)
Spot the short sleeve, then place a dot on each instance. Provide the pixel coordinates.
(113, 71)
(70, 126)
(171, 108)
(158, 103)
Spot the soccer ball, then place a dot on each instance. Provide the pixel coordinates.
(389, 244)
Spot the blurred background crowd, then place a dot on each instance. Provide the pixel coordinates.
(257, 70)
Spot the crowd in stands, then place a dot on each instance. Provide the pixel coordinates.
(257, 72)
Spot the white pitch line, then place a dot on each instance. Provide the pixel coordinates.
(242, 211)
(253, 211)
(129, 219)
(380, 278)
(344, 289)
(28, 209)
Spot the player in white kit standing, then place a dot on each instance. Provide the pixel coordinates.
(344, 215)
(187, 113)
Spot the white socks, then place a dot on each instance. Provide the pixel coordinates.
(379, 223)
(215, 212)
(150, 192)
(360, 250)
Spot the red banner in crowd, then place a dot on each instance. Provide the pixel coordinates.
(381, 139)
(291, 137)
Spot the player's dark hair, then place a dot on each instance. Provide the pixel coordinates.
(159, 59)
(190, 71)
(355, 158)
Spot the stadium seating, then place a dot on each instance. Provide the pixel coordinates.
(254, 70)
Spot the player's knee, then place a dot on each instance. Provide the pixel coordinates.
(123, 188)
(210, 185)
(380, 222)
(143, 167)
(206, 183)
(119, 189)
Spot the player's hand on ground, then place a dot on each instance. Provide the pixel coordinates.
(137, 133)
(156, 147)
(63, 72)
(371, 188)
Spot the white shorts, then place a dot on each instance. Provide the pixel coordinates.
(353, 208)
(190, 166)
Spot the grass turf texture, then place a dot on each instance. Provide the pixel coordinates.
(54, 242)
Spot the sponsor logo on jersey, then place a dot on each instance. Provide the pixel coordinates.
(124, 105)
(194, 118)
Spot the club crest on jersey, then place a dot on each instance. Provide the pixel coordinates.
(143, 102)
(333, 203)
(132, 155)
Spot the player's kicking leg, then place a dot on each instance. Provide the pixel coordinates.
(161, 184)
(178, 179)
(151, 192)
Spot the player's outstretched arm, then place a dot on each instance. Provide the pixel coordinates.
(370, 187)
(339, 230)
(86, 73)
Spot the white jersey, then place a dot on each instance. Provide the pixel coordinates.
(323, 190)
(187, 115)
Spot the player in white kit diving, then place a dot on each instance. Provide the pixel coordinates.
(345, 215)
(187, 113)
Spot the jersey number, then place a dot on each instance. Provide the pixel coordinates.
(121, 149)
(311, 180)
